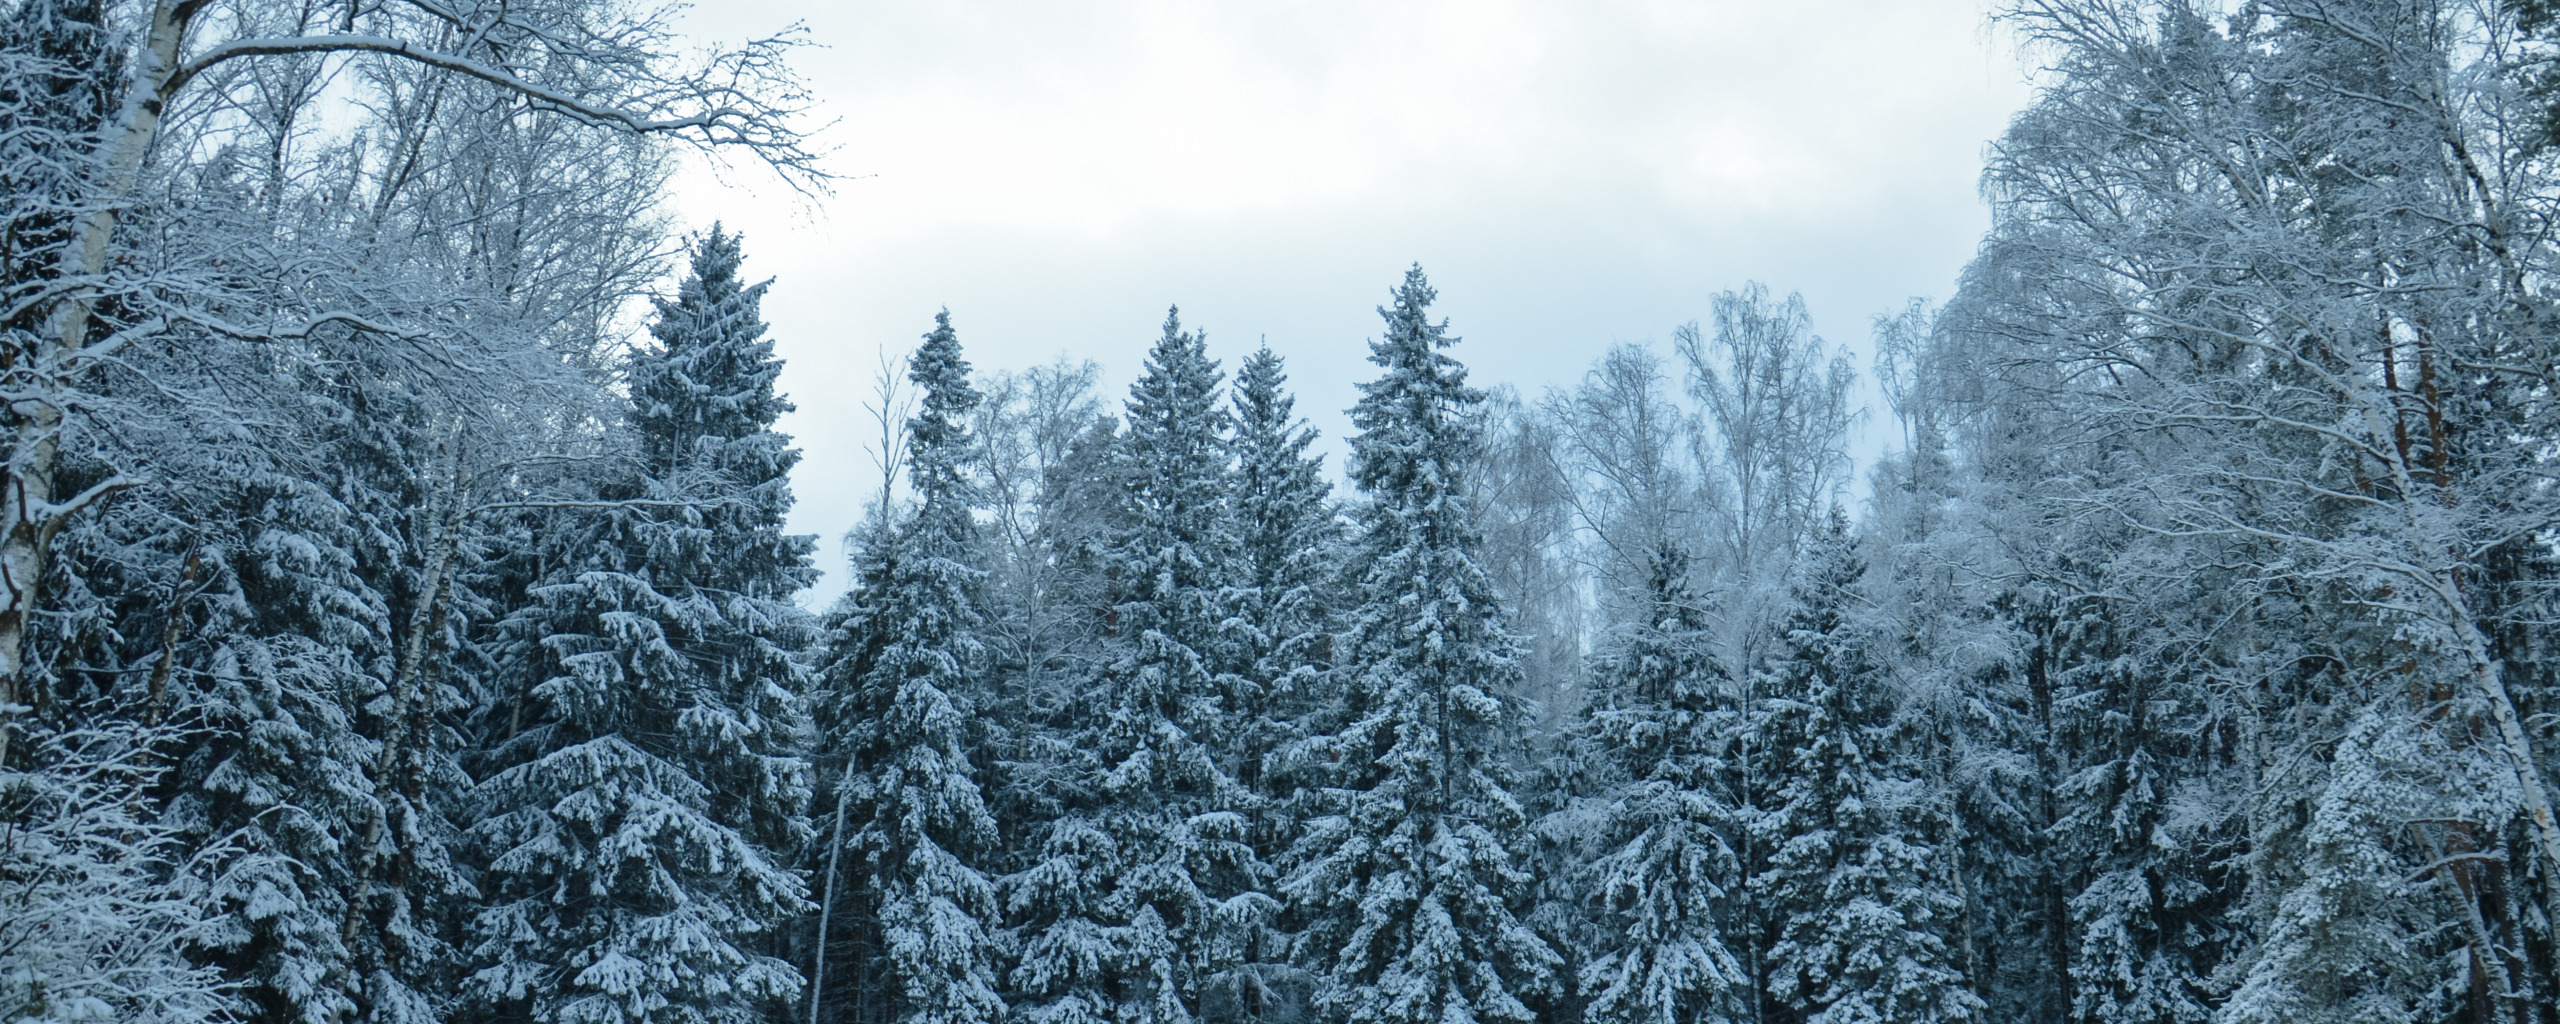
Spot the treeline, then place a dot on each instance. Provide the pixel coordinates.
(400, 625)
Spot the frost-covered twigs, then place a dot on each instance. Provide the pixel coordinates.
(100, 902)
(76, 295)
(2262, 263)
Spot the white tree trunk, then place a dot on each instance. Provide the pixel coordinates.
(29, 516)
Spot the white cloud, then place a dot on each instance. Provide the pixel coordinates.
(1572, 174)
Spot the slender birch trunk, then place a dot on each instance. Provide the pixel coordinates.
(30, 516)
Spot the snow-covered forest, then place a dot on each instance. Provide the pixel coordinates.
(398, 621)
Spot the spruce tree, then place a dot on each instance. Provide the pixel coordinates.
(283, 772)
(1859, 884)
(635, 867)
(1134, 897)
(1287, 549)
(1661, 886)
(2143, 863)
(1284, 528)
(280, 625)
(1407, 884)
(905, 665)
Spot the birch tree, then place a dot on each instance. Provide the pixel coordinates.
(76, 300)
(2295, 245)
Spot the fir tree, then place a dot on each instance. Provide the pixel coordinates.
(1140, 885)
(1407, 885)
(903, 678)
(634, 863)
(1860, 893)
(1661, 716)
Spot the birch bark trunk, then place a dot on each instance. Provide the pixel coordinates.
(29, 513)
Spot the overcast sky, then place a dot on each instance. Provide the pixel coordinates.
(1571, 173)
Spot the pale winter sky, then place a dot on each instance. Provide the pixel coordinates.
(1571, 173)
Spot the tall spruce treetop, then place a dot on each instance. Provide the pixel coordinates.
(704, 405)
(939, 450)
(1659, 885)
(906, 662)
(1408, 886)
(634, 868)
(1176, 544)
(1280, 491)
(704, 409)
(1172, 557)
(1285, 528)
(1860, 882)
(1134, 896)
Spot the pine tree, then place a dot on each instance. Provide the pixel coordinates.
(1407, 885)
(1140, 884)
(635, 869)
(902, 679)
(1860, 892)
(1661, 714)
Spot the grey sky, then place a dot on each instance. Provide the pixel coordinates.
(1571, 174)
